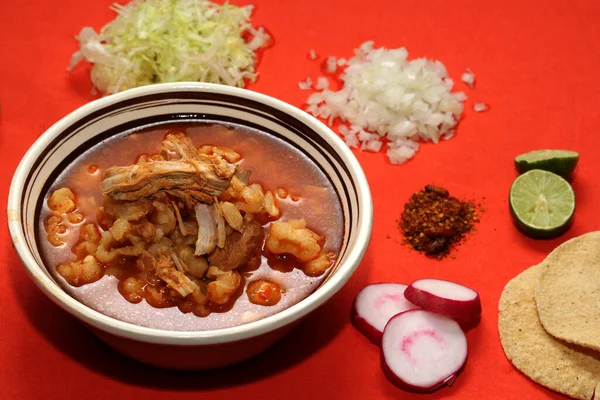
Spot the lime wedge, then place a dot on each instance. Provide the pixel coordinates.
(542, 203)
(561, 162)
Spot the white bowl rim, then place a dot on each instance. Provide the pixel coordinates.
(128, 330)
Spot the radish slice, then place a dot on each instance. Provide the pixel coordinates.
(421, 351)
(446, 298)
(375, 304)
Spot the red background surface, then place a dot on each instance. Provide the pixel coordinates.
(536, 64)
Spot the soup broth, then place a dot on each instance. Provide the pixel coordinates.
(301, 190)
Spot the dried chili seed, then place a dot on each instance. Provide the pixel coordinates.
(436, 247)
(439, 190)
(433, 221)
(438, 232)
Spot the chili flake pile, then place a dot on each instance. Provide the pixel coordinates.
(433, 221)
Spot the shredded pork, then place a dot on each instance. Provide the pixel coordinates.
(207, 229)
(184, 173)
(175, 279)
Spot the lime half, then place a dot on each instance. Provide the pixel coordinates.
(561, 162)
(542, 203)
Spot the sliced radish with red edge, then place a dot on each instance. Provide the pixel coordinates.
(446, 298)
(422, 351)
(375, 304)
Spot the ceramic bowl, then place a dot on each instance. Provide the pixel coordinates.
(167, 103)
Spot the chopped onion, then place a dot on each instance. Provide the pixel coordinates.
(372, 145)
(315, 98)
(400, 155)
(331, 65)
(312, 54)
(468, 78)
(385, 95)
(448, 135)
(460, 96)
(351, 140)
(364, 136)
(480, 107)
(402, 150)
(322, 83)
(343, 129)
(404, 143)
(313, 109)
(305, 85)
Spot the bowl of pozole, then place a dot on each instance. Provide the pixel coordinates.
(189, 225)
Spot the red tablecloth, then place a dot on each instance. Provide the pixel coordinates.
(536, 64)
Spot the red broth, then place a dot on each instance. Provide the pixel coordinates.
(274, 164)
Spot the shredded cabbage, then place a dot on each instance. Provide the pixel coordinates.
(154, 41)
